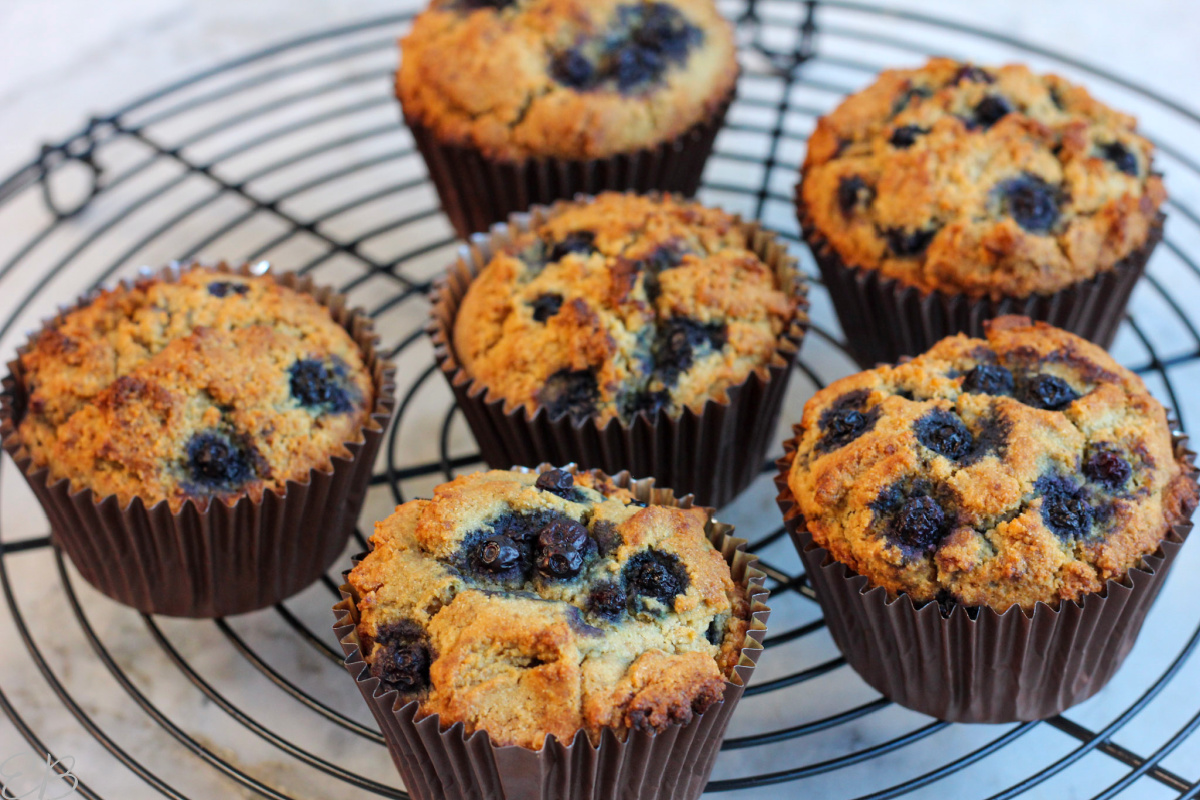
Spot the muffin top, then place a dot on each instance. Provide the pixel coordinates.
(982, 181)
(575, 79)
(527, 605)
(214, 385)
(1028, 467)
(623, 305)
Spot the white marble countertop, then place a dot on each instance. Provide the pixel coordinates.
(65, 60)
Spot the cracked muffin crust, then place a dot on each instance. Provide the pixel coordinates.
(575, 79)
(1026, 468)
(984, 181)
(529, 605)
(620, 306)
(216, 385)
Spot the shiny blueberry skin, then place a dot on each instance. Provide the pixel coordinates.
(216, 463)
(570, 393)
(853, 192)
(224, 288)
(919, 525)
(1030, 201)
(557, 481)
(1046, 391)
(1065, 510)
(988, 379)
(991, 110)
(1121, 157)
(905, 136)
(655, 574)
(318, 387)
(944, 433)
(1107, 469)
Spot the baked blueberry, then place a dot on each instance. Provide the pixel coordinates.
(644, 400)
(497, 554)
(471, 5)
(606, 535)
(319, 387)
(224, 288)
(581, 243)
(988, 379)
(919, 525)
(635, 66)
(990, 110)
(559, 563)
(1046, 391)
(906, 136)
(1121, 157)
(654, 574)
(972, 74)
(1107, 468)
(572, 68)
(1064, 510)
(563, 532)
(546, 306)
(716, 632)
(664, 29)
(845, 421)
(216, 463)
(570, 393)
(680, 340)
(910, 94)
(1030, 201)
(606, 600)
(944, 433)
(906, 243)
(557, 481)
(402, 663)
(853, 192)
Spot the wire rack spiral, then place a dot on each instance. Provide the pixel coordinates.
(296, 155)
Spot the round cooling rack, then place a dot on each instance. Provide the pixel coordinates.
(297, 155)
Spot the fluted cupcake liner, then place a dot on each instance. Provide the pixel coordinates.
(229, 558)
(447, 764)
(477, 191)
(885, 318)
(974, 664)
(713, 453)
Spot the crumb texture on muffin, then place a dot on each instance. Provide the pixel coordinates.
(528, 605)
(988, 181)
(623, 305)
(574, 79)
(1028, 467)
(217, 385)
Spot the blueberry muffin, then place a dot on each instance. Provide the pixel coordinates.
(1022, 469)
(528, 605)
(212, 386)
(985, 184)
(622, 306)
(527, 87)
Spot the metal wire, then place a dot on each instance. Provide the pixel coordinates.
(156, 170)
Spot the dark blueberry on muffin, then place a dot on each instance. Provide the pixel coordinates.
(570, 393)
(845, 421)
(546, 306)
(320, 387)
(1121, 157)
(853, 192)
(988, 379)
(607, 601)
(919, 525)
(906, 136)
(225, 288)
(572, 68)
(1046, 391)
(969, 73)
(217, 463)
(559, 482)
(581, 243)
(991, 110)
(1108, 469)
(1030, 201)
(944, 433)
(657, 575)
(402, 660)
(907, 243)
(680, 341)
(1065, 510)
(497, 554)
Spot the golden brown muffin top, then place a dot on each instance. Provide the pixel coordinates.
(576, 79)
(623, 305)
(988, 181)
(215, 385)
(529, 605)
(1026, 468)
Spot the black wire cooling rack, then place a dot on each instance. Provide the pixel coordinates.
(296, 154)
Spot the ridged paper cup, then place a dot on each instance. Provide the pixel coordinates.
(714, 453)
(974, 664)
(447, 764)
(885, 318)
(476, 190)
(226, 558)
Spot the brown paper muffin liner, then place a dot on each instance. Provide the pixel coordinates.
(477, 191)
(977, 665)
(884, 318)
(227, 559)
(714, 453)
(439, 764)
